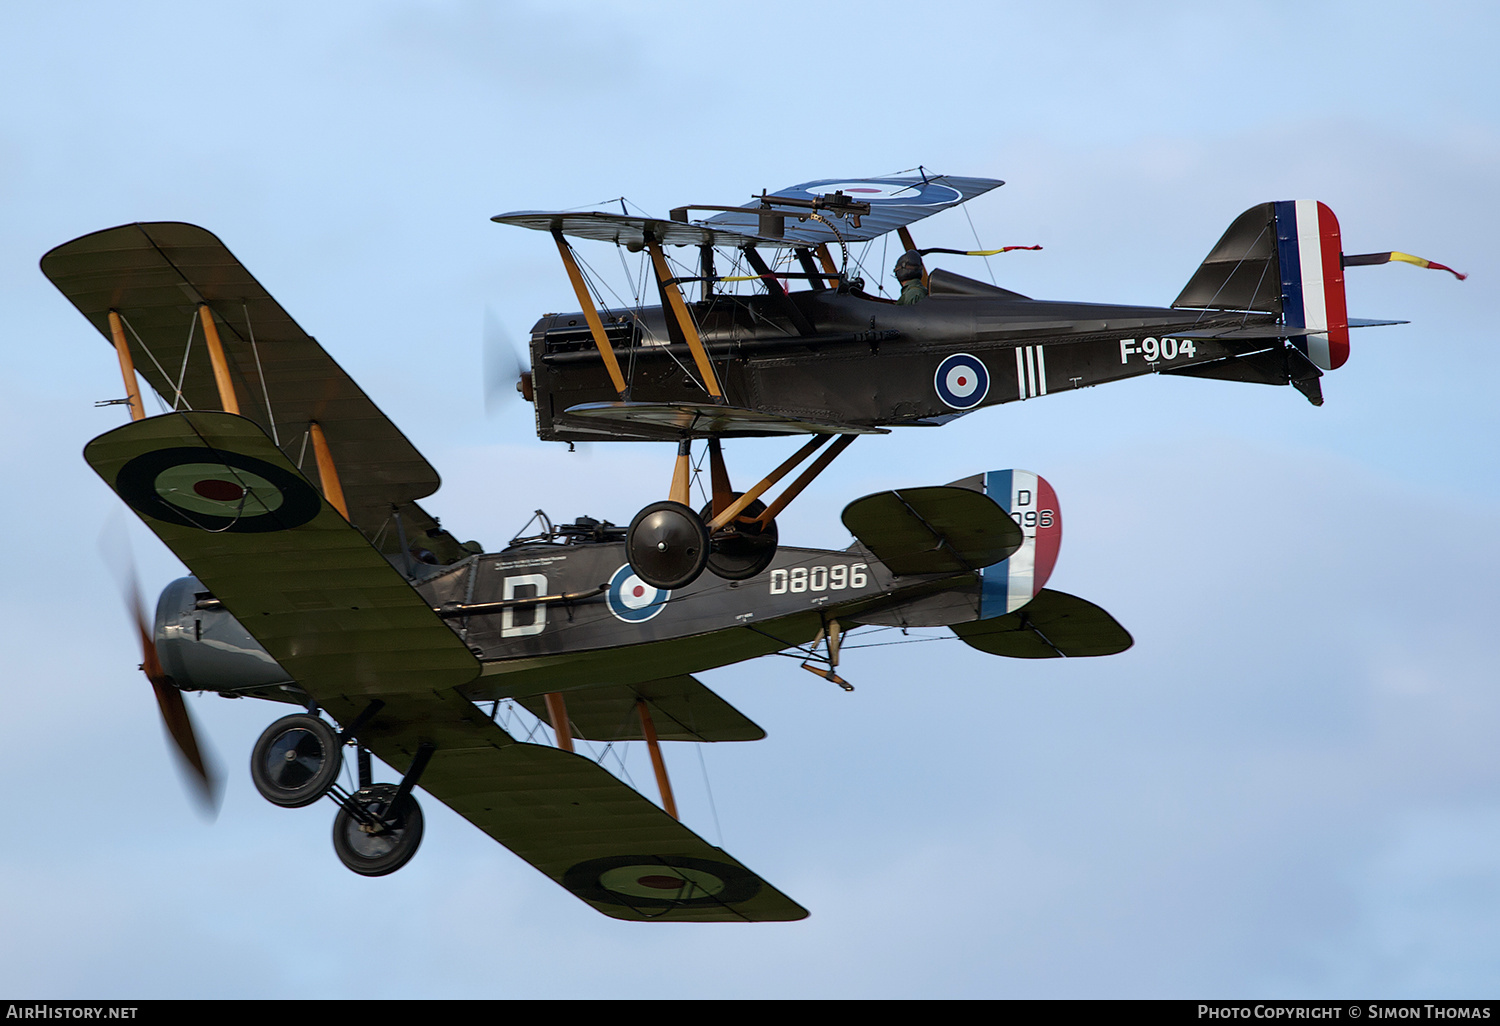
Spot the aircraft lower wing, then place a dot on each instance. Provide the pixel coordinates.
(698, 420)
(682, 709)
(338, 616)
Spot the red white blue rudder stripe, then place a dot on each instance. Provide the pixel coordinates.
(1032, 504)
(1309, 252)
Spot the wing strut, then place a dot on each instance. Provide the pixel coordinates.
(654, 747)
(227, 398)
(557, 712)
(680, 315)
(777, 293)
(328, 472)
(590, 314)
(127, 367)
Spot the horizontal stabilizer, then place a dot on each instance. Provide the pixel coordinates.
(681, 708)
(943, 529)
(1051, 625)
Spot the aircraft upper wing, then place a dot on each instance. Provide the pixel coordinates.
(631, 231)
(156, 274)
(342, 621)
(894, 202)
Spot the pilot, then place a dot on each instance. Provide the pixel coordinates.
(908, 272)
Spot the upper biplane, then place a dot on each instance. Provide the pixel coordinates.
(318, 581)
(834, 358)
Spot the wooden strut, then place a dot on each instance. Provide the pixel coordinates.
(685, 322)
(227, 398)
(682, 474)
(557, 712)
(590, 314)
(127, 367)
(328, 474)
(654, 747)
(718, 476)
(738, 505)
(826, 259)
(833, 633)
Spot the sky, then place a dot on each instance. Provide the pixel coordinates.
(1288, 788)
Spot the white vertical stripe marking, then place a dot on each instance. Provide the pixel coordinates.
(1030, 372)
(1314, 288)
(1021, 566)
(1020, 373)
(1041, 371)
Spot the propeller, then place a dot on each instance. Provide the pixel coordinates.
(505, 372)
(203, 780)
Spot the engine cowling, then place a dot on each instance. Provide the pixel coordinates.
(202, 647)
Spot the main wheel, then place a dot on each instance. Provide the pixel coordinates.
(296, 761)
(743, 547)
(667, 545)
(381, 839)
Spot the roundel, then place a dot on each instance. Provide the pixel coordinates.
(922, 194)
(961, 381)
(632, 599)
(216, 491)
(660, 881)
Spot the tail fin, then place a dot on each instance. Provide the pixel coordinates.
(1032, 504)
(1281, 258)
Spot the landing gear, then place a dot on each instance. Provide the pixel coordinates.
(743, 547)
(667, 545)
(377, 830)
(296, 761)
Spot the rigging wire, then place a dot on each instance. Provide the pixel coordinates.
(980, 245)
(147, 350)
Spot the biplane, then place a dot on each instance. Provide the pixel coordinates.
(319, 582)
(834, 358)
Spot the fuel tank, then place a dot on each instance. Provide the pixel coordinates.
(203, 647)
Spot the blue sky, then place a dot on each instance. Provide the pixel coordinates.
(1287, 788)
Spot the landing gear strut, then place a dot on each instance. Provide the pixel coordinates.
(379, 827)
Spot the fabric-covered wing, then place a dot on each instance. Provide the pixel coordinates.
(1053, 624)
(681, 708)
(633, 232)
(157, 274)
(942, 529)
(699, 420)
(326, 605)
(894, 203)
(347, 626)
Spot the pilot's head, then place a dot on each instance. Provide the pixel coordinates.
(908, 266)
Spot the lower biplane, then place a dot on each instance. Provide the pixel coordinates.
(834, 358)
(318, 582)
